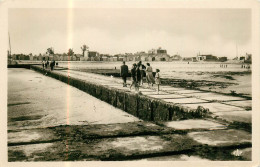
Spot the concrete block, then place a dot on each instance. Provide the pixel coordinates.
(154, 93)
(187, 91)
(220, 138)
(177, 113)
(216, 97)
(235, 116)
(160, 111)
(121, 100)
(179, 157)
(243, 104)
(215, 107)
(113, 97)
(131, 102)
(194, 124)
(99, 91)
(167, 96)
(185, 101)
(31, 136)
(105, 94)
(168, 88)
(103, 149)
(144, 109)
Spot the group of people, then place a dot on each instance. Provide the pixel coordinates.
(45, 64)
(245, 66)
(223, 65)
(138, 72)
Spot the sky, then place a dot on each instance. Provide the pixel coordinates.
(113, 31)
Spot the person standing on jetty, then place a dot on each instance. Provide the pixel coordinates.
(133, 77)
(149, 74)
(142, 70)
(138, 74)
(157, 79)
(43, 64)
(124, 73)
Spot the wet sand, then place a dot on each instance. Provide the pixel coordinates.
(35, 100)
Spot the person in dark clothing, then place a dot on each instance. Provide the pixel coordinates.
(47, 63)
(138, 74)
(124, 73)
(142, 70)
(133, 76)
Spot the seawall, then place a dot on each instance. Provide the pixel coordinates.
(141, 106)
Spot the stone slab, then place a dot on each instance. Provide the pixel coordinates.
(185, 101)
(168, 96)
(244, 104)
(32, 135)
(215, 107)
(103, 149)
(186, 91)
(168, 88)
(154, 93)
(120, 87)
(221, 138)
(235, 116)
(215, 97)
(81, 132)
(146, 90)
(180, 157)
(194, 124)
(112, 130)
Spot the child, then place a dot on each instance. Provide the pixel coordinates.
(157, 79)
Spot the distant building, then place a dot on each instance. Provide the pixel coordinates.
(78, 56)
(157, 51)
(222, 59)
(187, 59)
(31, 57)
(206, 58)
(176, 57)
(35, 58)
(93, 56)
(40, 57)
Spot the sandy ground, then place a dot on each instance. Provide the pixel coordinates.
(35, 100)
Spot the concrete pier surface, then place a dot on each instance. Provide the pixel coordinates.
(53, 121)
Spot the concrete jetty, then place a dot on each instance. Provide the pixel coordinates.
(176, 124)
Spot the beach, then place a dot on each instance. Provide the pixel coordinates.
(207, 76)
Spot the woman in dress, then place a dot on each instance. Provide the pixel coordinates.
(149, 74)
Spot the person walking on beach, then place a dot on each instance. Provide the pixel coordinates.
(157, 80)
(149, 74)
(133, 77)
(124, 73)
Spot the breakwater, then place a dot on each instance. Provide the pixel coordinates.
(141, 106)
